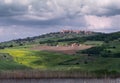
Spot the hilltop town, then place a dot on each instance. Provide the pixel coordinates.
(76, 31)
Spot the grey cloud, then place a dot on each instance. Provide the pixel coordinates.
(52, 9)
(51, 13)
(54, 12)
(78, 21)
(12, 9)
(66, 7)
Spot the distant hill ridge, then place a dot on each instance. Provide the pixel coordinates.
(63, 34)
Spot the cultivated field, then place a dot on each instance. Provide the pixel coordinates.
(61, 49)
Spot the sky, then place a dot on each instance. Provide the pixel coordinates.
(27, 18)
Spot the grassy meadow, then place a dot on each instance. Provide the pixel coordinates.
(24, 58)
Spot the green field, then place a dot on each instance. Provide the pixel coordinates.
(36, 59)
(95, 43)
(43, 60)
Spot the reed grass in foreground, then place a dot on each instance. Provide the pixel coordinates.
(71, 80)
(36, 74)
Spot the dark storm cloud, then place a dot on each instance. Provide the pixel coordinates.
(54, 12)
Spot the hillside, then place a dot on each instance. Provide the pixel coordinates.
(93, 55)
(50, 37)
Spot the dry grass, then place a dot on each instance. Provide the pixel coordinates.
(61, 49)
(36, 74)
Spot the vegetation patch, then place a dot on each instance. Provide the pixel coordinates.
(100, 59)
